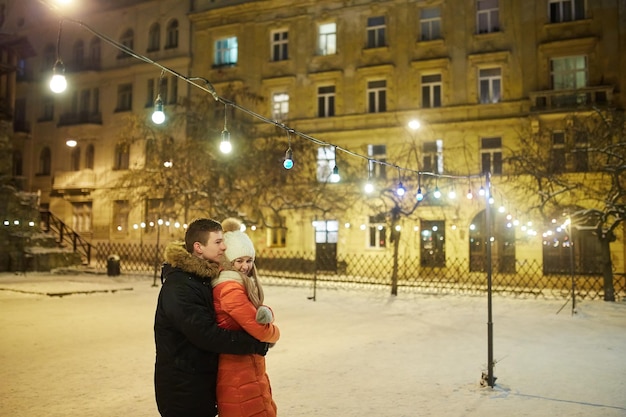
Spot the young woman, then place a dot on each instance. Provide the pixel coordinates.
(243, 387)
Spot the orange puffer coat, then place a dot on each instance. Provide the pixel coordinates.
(243, 387)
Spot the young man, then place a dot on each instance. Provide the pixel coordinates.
(188, 340)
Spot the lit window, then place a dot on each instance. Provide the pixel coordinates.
(327, 39)
(325, 163)
(378, 153)
(280, 106)
(569, 73)
(225, 52)
(433, 156)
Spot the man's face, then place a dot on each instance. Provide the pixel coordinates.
(213, 249)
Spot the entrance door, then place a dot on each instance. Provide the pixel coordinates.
(326, 235)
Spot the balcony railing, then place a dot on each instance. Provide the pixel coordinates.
(84, 179)
(581, 98)
(69, 119)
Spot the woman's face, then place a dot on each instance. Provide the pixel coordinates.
(243, 264)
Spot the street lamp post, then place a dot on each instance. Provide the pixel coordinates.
(156, 252)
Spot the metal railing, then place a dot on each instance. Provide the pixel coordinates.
(375, 271)
(65, 235)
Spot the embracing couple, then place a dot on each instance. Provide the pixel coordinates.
(211, 329)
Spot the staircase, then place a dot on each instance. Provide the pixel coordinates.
(33, 240)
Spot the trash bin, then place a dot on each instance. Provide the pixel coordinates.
(113, 265)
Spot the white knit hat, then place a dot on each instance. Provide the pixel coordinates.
(238, 244)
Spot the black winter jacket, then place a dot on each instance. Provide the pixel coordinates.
(188, 340)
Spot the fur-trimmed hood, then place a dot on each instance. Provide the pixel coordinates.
(177, 256)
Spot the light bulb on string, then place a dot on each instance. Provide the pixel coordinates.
(437, 193)
(158, 117)
(225, 145)
(419, 196)
(288, 162)
(400, 190)
(335, 177)
(369, 187)
(58, 83)
(469, 195)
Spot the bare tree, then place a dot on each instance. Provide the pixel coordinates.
(581, 170)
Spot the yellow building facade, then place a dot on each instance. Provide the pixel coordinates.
(476, 75)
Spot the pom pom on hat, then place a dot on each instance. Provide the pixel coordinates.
(238, 244)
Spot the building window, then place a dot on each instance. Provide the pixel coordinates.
(430, 24)
(490, 85)
(377, 237)
(122, 156)
(580, 153)
(75, 159)
(433, 243)
(487, 16)
(154, 37)
(121, 210)
(18, 164)
(280, 106)
(433, 156)
(280, 45)
(491, 155)
(557, 153)
(580, 249)
(325, 163)
(431, 90)
(377, 96)
(45, 162)
(47, 110)
(225, 52)
(378, 153)
(566, 10)
(94, 53)
(171, 40)
(124, 97)
(327, 39)
(376, 32)
(79, 54)
(326, 101)
(49, 57)
(81, 217)
(277, 235)
(568, 73)
(89, 156)
(128, 41)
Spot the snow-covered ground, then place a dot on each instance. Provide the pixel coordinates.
(349, 353)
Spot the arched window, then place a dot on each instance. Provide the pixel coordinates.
(45, 161)
(89, 156)
(122, 156)
(75, 159)
(49, 57)
(502, 247)
(152, 158)
(18, 167)
(172, 34)
(127, 40)
(79, 54)
(154, 37)
(95, 53)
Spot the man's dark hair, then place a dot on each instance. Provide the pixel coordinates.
(199, 230)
